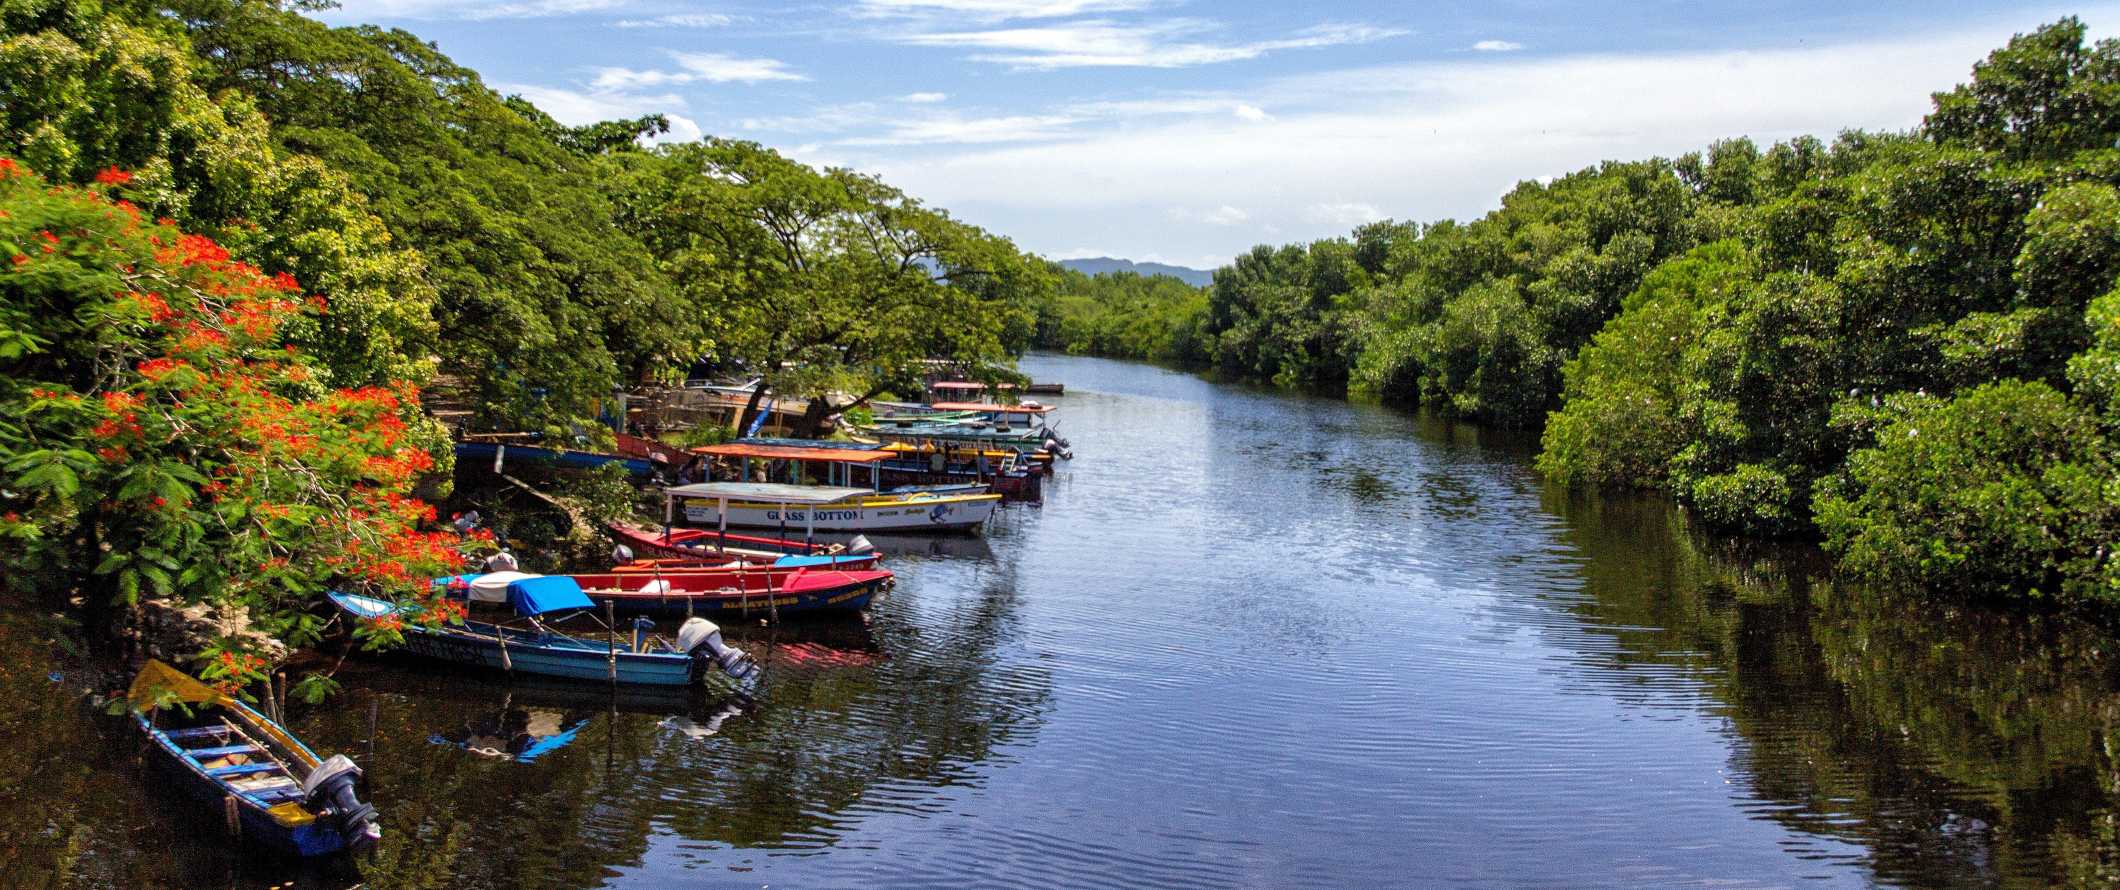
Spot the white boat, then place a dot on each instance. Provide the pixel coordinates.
(829, 508)
(815, 508)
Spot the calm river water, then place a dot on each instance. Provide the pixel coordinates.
(1250, 639)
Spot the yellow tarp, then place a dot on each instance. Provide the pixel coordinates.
(160, 683)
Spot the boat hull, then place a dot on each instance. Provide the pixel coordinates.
(719, 607)
(583, 460)
(255, 824)
(479, 645)
(944, 514)
(694, 542)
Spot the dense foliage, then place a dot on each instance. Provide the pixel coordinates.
(1123, 314)
(1875, 340)
(825, 282)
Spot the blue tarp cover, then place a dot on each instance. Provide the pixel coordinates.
(549, 593)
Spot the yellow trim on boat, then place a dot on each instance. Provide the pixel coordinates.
(291, 814)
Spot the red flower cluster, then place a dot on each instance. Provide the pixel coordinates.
(111, 175)
(157, 368)
(157, 309)
(199, 249)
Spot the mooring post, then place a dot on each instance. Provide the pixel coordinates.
(611, 657)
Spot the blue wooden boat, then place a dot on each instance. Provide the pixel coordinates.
(477, 452)
(697, 656)
(263, 782)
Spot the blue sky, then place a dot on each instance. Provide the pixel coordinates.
(1186, 132)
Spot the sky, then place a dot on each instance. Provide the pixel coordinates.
(1186, 132)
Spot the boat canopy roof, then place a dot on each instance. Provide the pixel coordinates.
(969, 384)
(831, 444)
(990, 406)
(772, 492)
(546, 593)
(788, 452)
(158, 683)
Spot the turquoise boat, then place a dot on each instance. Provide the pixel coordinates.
(697, 656)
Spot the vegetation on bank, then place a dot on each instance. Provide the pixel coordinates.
(234, 241)
(1905, 344)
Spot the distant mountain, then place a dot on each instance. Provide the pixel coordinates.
(1098, 265)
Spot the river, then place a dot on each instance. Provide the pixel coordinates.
(1250, 639)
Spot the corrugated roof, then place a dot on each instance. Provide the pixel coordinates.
(770, 492)
(990, 406)
(789, 452)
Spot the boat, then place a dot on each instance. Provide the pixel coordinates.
(742, 593)
(641, 457)
(837, 505)
(916, 468)
(537, 649)
(710, 563)
(1036, 444)
(701, 543)
(265, 784)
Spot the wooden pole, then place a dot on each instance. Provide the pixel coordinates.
(611, 658)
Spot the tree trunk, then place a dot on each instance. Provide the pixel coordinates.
(813, 416)
(750, 408)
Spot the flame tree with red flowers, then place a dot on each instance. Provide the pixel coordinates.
(160, 439)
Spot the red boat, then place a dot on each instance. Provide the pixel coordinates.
(710, 562)
(743, 593)
(704, 543)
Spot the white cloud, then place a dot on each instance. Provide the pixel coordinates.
(1497, 46)
(1224, 215)
(1251, 113)
(825, 119)
(995, 10)
(696, 68)
(1343, 214)
(925, 98)
(1099, 43)
(578, 107)
(1413, 141)
(682, 129)
(475, 10)
(679, 20)
(950, 128)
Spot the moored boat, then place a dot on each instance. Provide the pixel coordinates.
(1006, 473)
(836, 506)
(703, 543)
(742, 593)
(639, 456)
(697, 654)
(275, 792)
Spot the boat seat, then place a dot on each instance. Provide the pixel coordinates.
(223, 751)
(242, 769)
(276, 789)
(198, 732)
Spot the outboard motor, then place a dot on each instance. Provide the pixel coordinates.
(502, 562)
(860, 544)
(621, 555)
(329, 791)
(702, 640)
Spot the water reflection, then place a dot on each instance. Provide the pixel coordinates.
(1949, 746)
